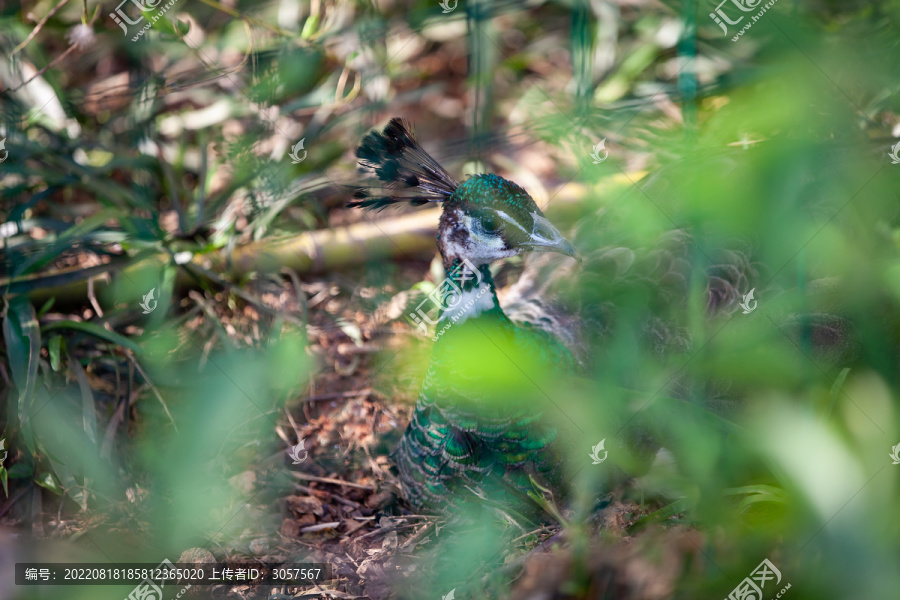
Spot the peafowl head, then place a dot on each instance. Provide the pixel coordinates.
(484, 219)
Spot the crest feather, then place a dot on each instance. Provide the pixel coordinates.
(407, 173)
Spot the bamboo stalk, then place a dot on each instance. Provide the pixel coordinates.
(407, 236)
(330, 249)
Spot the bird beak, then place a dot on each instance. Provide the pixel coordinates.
(547, 238)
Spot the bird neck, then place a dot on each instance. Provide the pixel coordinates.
(467, 292)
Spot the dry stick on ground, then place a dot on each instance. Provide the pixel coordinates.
(320, 527)
(414, 538)
(535, 532)
(327, 250)
(335, 497)
(293, 424)
(280, 433)
(346, 349)
(310, 252)
(212, 317)
(387, 529)
(339, 395)
(93, 298)
(246, 296)
(307, 477)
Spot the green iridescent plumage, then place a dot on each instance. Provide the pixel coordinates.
(479, 427)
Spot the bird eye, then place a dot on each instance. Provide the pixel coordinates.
(489, 225)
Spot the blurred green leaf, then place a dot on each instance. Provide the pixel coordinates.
(758, 493)
(23, 343)
(836, 391)
(3, 478)
(45, 308)
(54, 346)
(88, 409)
(49, 481)
(20, 471)
(96, 331)
(667, 512)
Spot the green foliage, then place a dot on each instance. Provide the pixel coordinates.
(774, 143)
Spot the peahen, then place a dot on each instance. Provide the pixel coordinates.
(479, 425)
(484, 423)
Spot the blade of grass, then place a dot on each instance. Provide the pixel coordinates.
(23, 343)
(88, 407)
(96, 331)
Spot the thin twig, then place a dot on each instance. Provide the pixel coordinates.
(414, 538)
(246, 296)
(93, 299)
(307, 477)
(386, 530)
(53, 63)
(535, 532)
(339, 395)
(335, 497)
(37, 29)
(213, 318)
(59, 58)
(152, 387)
(293, 424)
(320, 527)
(347, 349)
(239, 15)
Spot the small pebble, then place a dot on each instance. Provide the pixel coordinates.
(259, 546)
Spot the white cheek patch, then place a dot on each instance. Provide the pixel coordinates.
(479, 249)
(455, 249)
